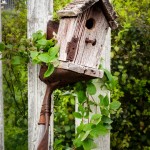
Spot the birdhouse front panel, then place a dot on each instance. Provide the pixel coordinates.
(91, 35)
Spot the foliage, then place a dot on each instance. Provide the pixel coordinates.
(130, 63)
(64, 122)
(58, 5)
(14, 81)
(99, 123)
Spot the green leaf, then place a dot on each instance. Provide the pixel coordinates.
(87, 127)
(2, 46)
(16, 60)
(42, 42)
(77, 142)
(77, 115)
(81, 96)
(91, 89)
(85, 135)
(44, 57)
(99, 130)
(53, 51)
(96, 118)
(34, 54)
(108, 74)
(106, 119)
(67, 128)
(81, 109)
(80, 128)
(105, 111)
(115, 105)
(37, 36)
(104, 101)
(89, 144)
(49, 71)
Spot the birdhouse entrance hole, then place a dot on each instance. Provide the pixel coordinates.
(90, 23)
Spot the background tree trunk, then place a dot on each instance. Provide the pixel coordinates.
(39, 12)
(1, 97)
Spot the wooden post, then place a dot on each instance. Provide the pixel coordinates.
(39, 12)
(1, 97)
(103, 142)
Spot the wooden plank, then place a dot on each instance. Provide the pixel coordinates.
(89, 55)
(1, 98)
(103, 142)
(39, 12)
(81, 69)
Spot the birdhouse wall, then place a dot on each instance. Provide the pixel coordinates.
(74, 33)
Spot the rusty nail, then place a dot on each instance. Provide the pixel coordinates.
(93, 42)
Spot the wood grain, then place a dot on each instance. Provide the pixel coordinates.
(79, 6)
(38, 15)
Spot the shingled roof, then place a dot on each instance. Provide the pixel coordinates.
(79, 6)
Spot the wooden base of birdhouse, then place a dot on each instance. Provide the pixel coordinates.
(87, 71)
(63, 76)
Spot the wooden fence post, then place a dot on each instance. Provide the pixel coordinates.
(39, 12)
(1, 97)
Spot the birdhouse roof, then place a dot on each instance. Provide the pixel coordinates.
(79, 6)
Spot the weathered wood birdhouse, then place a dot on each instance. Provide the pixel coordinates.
(82, 32)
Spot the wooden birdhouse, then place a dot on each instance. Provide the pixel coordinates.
(82, 32)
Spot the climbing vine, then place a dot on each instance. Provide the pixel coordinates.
(94, 125)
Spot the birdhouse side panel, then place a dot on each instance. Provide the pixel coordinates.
(92, 37)
(65, 34)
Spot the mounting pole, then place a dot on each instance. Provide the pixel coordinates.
(39, 12)
(1, 96)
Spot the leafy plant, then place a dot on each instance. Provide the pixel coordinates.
(130, 64)
(97, 124)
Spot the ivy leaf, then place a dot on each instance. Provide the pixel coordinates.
(96, 118)
(44, 57)
(105, 111)
(91, 89)
(37, 36)
(77, 142)
(108, 74)
(104, 101)
(85, 135)
(106, 119)
(77, 115)
(42, 42)
(53, 51)
(99, 130)
(115, 105)
(89, 144)
(81, 109)
(2, 46)
(81, 96)
(34, 54)
(80, 128)
(87, 127)
(49, 71)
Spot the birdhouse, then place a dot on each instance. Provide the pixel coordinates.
(82, 33)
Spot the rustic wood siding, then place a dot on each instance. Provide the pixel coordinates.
(87, 56)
